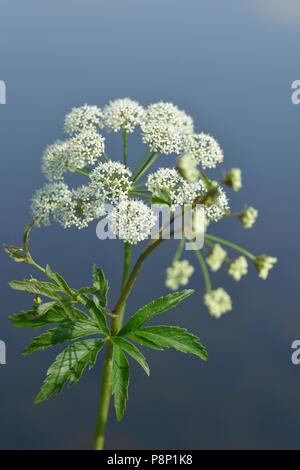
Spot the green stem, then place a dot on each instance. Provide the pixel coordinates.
(179, 250)
(206, 276)
(83, 172)
(125, 146)
(146, 166)
(106, 380)
(231, 245)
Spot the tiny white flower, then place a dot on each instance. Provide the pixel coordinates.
(187, 167)
(218, 301)
(111, 180)
(82, 118)
(205, 150)
(122, 114)
(85, 206)
(179, 190)
(248, 217)
(216, 205)
(238, 268)
(86, 147)
(263, 264)
(166, 128)
(57, 159)
(233, 179)
(49, 201)
(216, 257)
(179, 274)
(132, 221)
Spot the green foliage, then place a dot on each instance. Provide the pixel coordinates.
(69, 366)
(120, 380)
(154, 308)
(71, 324)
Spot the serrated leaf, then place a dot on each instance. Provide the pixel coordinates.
(34, 286)
(173, 337)
(100, 283)
(97, 312)
(65, 332)
(60, 282)
(120, 380)
(154, 308)
(69, 366)
(15, 253)
(144, 342)
(44, 314)
(133, 351)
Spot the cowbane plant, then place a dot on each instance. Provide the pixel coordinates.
(83, 319)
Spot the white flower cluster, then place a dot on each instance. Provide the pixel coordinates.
(122, 114)
(179, 274)
(50, 201)
(132, 220)
(165, 128)
(216, 257)
(82, 118)
(178, 189)
(263, 264)
(218, 302)
(233, 179)
(217, 206)
(248, 217)
(187, 167)
(76, 153)
(238, 268)
(111, 181)
(205, 150)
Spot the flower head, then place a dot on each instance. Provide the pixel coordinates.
(205, 150)
(166, 128)
(216, 204)
(187, 167)
(238, 268)
(86, 147)
(132, 220)
(216, 257)
(178, 274)
(82, 118)
(263, 264)
(248, 217)
(122, 114)
(218, 302)
(49, 201)
(57, 159)
(111, 180)
(233, 179)
(179, 190)
(85, 206)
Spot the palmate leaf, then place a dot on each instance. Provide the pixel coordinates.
(133, 351)
(170, 337)
(120, 380)
(45, 314)
(100, 283)
(65, 332)
(154, 308)
(69, 366)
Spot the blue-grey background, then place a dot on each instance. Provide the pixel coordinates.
(229, 64)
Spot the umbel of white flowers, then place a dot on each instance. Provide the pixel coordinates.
(165, 130)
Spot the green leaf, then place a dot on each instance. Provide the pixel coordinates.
(69, 366)
(145, 342)
(34, 286)
(120, 380)
(65, 332)
(97, 312)
(15, 253)
(45, 314)
(133, 351)
(154, 308)
(172, 337)
(60, 282)
(101, 285)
